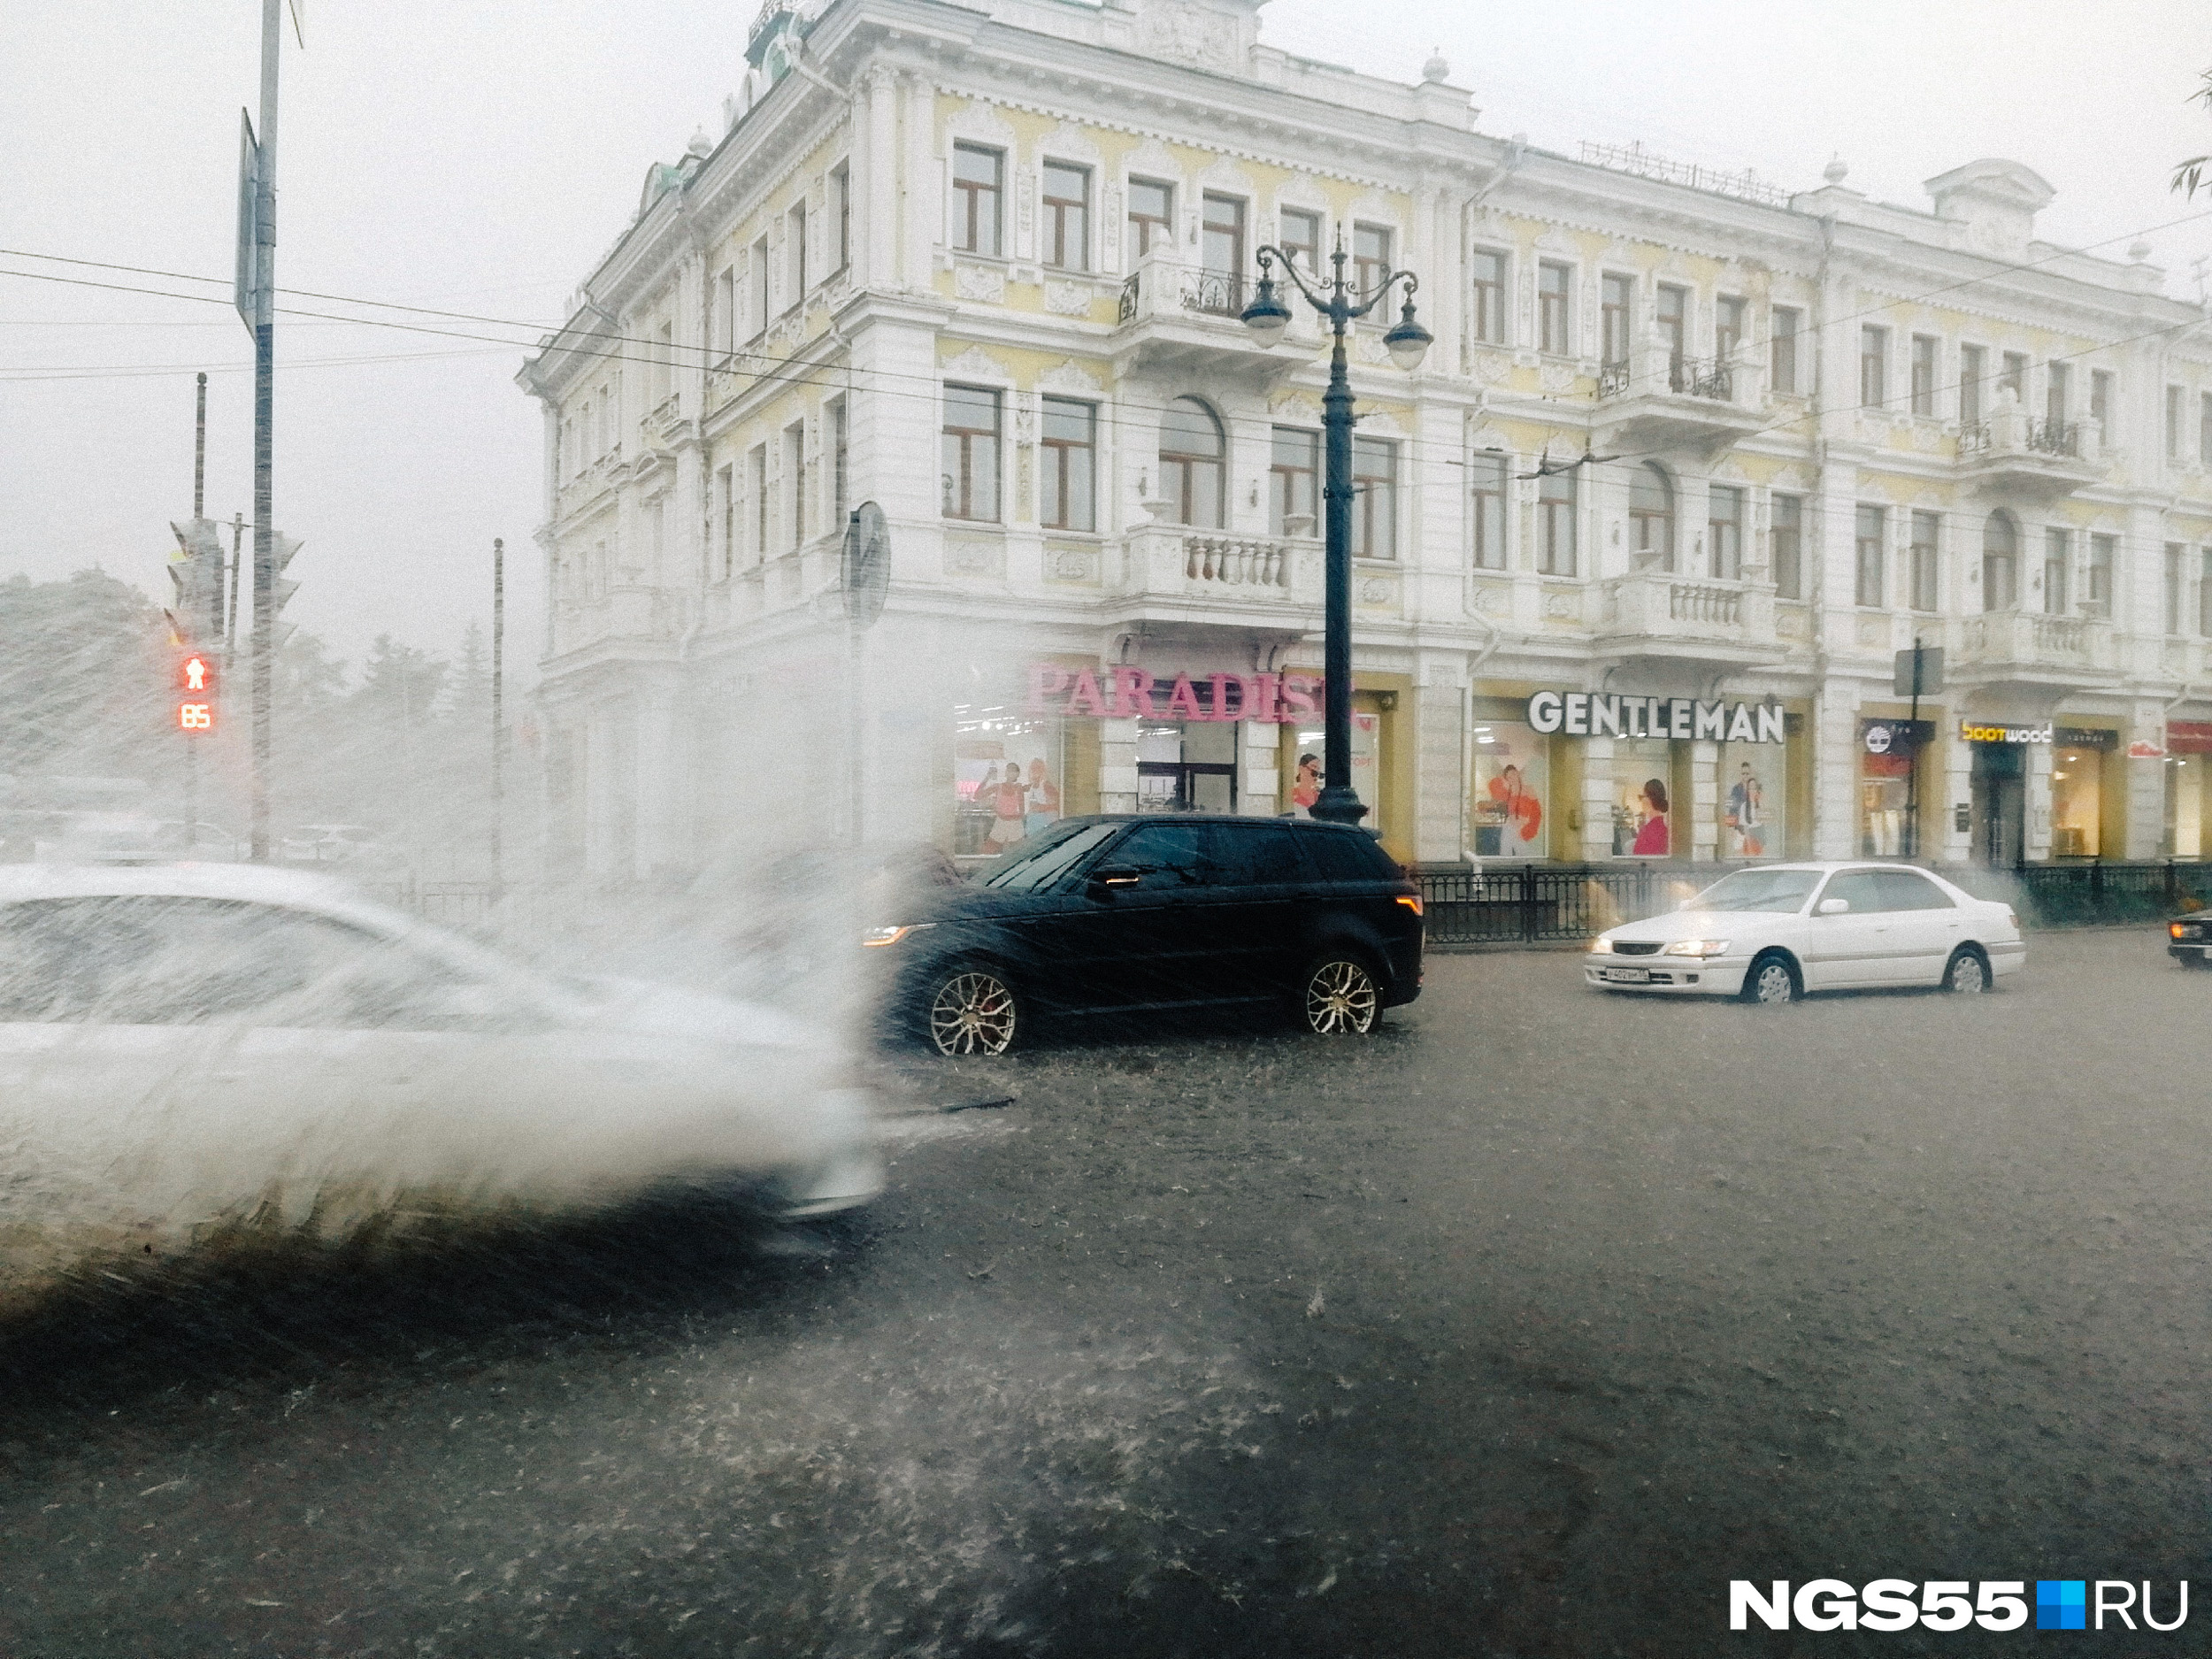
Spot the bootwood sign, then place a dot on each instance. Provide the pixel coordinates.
(1589, 714)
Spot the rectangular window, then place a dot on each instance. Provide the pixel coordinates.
(1488, 473)
(2016, 376)
(1924, 528)
(795, 250)
(794, 481)
(840, 184)
(1616, 297)
(1973, 365)
(2102, 550)
(1221, 242)
(2204, 428)
(1069, 466)
(1728, 315)
(663, 364)
(1670, 321)
(1375, 498)
(1067, 215)
(2204, 592)
(757, 282)
(1782, 350)
(2057, 555)
(1552, 319)
(1151, 217)
(969, 453)
(1788, 546)
(2000, 562)
(1371, 255)
(2101, 403)
(2058, 387)
(840, 464)
(757, 476)
(1924, 375)
(2173, 423)
(977, 189)
(1301, 238)
(1873, 366)
(1723, 533)
(1487, 318)
(1555, 524)
(725, 492)
(1293, 470)
(2174, 552)
(1869, 587)
(722, 327)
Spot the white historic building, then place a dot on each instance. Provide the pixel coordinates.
(981, 264)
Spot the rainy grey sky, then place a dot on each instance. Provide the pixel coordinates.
(479, 158)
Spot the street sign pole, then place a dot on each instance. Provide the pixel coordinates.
(1912, 776)
(499, 727)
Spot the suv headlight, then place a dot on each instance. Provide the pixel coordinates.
(1696, 947)
(881, 936)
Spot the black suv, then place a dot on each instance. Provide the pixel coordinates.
(2189, 940)
(1123, 914)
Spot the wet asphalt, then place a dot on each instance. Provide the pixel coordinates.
(1519, 1329)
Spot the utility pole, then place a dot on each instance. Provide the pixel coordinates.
(199, 449)
(199, 504)
(499, 727)
(230, 624)
(264, 572)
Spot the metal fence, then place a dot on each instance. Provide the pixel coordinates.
(1535, 904)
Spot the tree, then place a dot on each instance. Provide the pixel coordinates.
(84, 677)
(2189, 175)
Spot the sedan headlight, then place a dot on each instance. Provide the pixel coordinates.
(877, 937)
(1696, 947)
(1601, 943)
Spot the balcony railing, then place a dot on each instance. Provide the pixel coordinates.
(1710, 378)
(1236, 562)
(1209, 293)
(2039, 437)
(1705, 601)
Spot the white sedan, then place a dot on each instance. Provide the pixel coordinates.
(186, 1045)
(1772, 933)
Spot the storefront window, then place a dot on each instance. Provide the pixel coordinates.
(2184, 805)
(2077, 802)
(1512, 787)
(1006, 774)
(1642, 804)
(1753, 801)
(1884, 782)
(1304, 767)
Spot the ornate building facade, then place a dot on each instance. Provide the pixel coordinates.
(1692, 461)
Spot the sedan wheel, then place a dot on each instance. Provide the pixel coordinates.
(1341, 998)
(1968, 973)
(1770, 983)
(973, 1011)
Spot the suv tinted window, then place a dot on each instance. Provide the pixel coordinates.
(1255, 855)
(1036, 864)
(1903, 890)
(1179, 850)
(1350, 856)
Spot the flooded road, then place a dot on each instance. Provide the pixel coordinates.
(1521, 1329)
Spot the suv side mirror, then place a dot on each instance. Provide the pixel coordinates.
(1832, 907)
(1109, 876)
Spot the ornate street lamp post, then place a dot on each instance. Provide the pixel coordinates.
(1343, 303)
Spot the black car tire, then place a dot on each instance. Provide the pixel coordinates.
(1340, 994)
(1968, 973)
(1772, 982)
(970, 1007)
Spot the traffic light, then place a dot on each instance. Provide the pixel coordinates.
(281, 547)
(195, 570)
(196, 675)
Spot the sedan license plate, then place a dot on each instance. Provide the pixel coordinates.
(1628, 975)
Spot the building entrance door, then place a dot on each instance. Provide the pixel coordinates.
(1190, 767)
(2000, 801)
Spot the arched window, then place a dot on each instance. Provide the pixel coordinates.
(2000, 562)
(1651, 515)
(1192, 474)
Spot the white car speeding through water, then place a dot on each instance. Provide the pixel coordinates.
(1774, 931)
(185, 1044)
